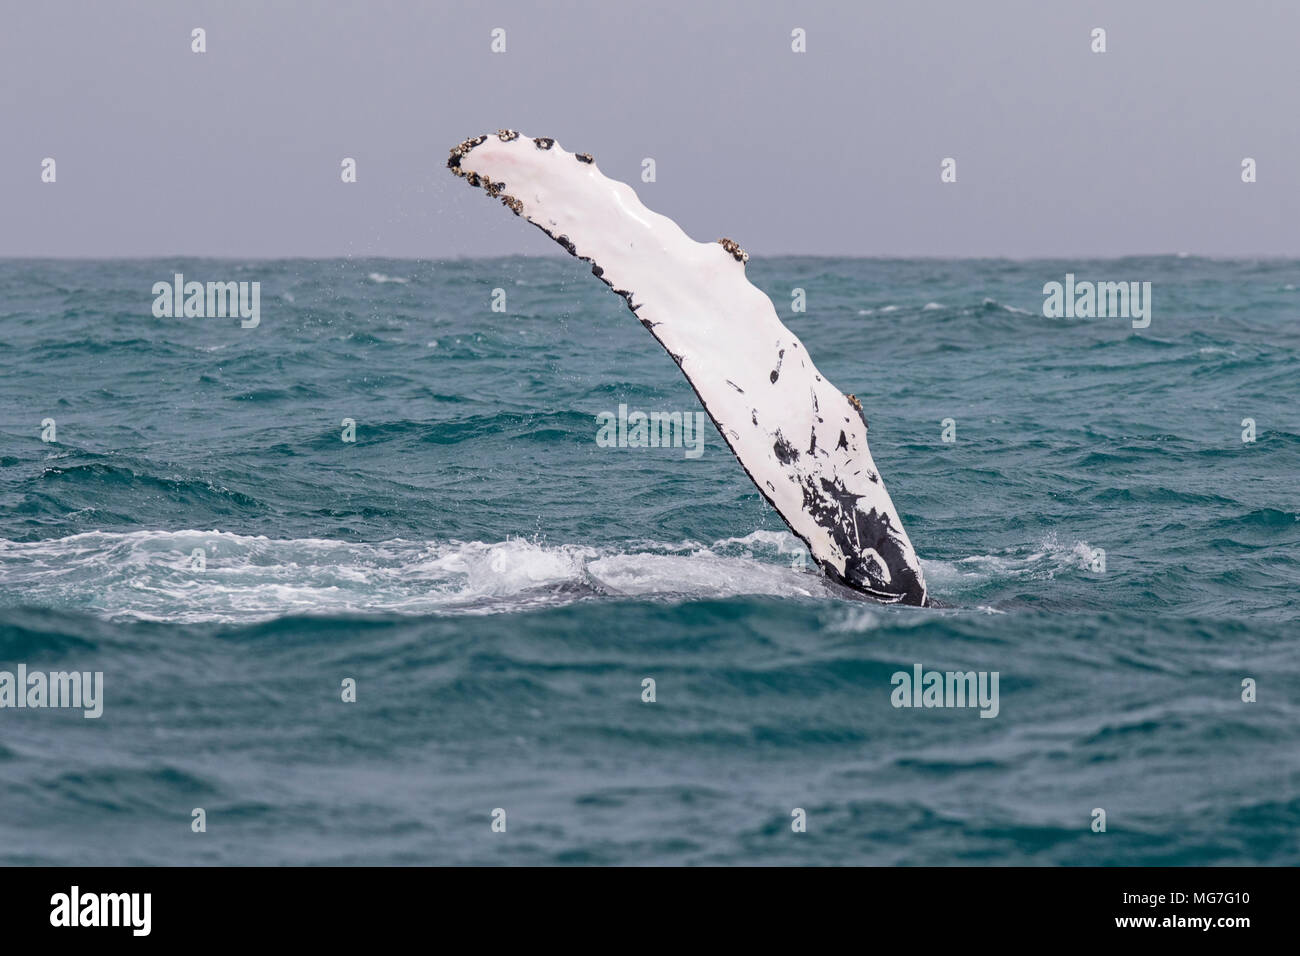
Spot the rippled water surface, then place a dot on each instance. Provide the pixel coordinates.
(499, 586)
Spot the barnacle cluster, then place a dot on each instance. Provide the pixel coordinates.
(737, 253)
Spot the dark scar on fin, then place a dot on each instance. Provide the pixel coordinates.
(776, 372)
(784, 451)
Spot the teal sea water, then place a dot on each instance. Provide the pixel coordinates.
(499, 585)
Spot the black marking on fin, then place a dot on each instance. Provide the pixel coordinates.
(785, 452)
(776, 372)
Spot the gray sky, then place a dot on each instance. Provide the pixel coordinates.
(1060, 151)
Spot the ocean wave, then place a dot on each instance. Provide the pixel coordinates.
(1041, 561)
(993, 305)
(196, 576)
(212, 576)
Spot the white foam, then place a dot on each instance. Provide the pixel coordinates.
(148, 575)
(1039, 562)
(1007, 308)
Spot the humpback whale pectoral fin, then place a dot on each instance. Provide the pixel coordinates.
(806, 454)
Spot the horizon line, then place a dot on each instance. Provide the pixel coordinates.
(1246, 257)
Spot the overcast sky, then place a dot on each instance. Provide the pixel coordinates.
(1060, 151)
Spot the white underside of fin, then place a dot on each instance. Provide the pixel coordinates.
(800, 439)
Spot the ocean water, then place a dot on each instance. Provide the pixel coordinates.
(498, 585)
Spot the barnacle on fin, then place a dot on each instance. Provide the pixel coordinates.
(507, 135)
(458, 152)
(543, 142)
(853, 400)
(732, 247)
(584, 157)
